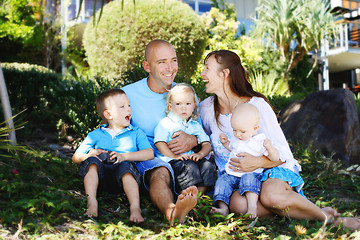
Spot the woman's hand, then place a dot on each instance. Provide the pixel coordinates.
(248, 163)
(182, 142)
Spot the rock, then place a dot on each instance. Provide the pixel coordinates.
(328, 120)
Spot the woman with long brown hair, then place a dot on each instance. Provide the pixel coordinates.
(281, 192)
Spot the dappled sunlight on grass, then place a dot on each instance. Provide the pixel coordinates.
(46, 196)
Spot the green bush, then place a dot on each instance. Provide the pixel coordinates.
(52, 101)
(76, 109)
(120, 37)
(26, 85)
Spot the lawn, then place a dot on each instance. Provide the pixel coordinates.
(42, 197)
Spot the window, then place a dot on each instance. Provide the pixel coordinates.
(199, 6)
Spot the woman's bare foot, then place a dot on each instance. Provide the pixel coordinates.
(222, 211)
(185, 202)
(135, 215)
(92, 207)
(348, 222)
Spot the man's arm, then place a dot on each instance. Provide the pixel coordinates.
(182, 142)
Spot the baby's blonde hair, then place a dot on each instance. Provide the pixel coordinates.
(181, 88)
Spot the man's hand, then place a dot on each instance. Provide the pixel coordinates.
(182, 142)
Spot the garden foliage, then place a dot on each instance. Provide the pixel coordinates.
(28, 35)
(50, 100)
(293, 28)
(26, 85)
(118, 40)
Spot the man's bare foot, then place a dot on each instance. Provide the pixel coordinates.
(92, 207)
(135, 215)
(185, 202)
(348, 222)
(222, 211)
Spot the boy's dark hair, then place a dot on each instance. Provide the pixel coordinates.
(100, 100)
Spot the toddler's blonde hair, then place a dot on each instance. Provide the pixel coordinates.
(182, 88)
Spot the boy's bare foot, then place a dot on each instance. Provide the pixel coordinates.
(135, 215)
(185, 202)
(92, 207)
(222, 211)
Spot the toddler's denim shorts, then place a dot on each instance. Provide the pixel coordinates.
(189, 173)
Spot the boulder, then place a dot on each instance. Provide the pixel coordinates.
(328, 120)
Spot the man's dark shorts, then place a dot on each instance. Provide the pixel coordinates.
(189, 173)
(110, 174)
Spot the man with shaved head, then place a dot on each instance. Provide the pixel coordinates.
(148, 103)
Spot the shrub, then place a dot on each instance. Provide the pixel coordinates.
(26, 85)
(51, 100)
(267, 83)
(77, 108)
(120, 37)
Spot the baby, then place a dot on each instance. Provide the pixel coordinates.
(245, 124)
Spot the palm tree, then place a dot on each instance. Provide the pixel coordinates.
(293, 27)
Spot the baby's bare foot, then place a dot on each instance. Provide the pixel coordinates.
(92, 208)
(222, 211)
(185, 202)
(252, 212)
(135, 215)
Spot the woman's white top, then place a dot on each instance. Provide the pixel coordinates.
(268, 125)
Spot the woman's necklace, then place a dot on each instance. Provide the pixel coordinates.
(237, 102)
(232, 109)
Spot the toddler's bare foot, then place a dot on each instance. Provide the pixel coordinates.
(92, 207)
(222, 211)
(135, 215)
(252, 212)
(185, 202)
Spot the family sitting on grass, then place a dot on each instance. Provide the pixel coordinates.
(256, 171)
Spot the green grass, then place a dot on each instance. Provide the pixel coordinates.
(45, 200)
